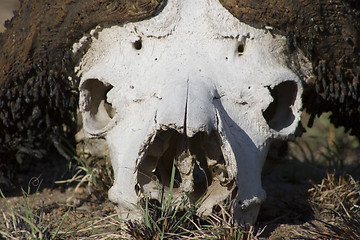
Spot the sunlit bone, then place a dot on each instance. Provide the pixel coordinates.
(194, 86)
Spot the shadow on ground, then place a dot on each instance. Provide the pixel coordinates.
(37, 174)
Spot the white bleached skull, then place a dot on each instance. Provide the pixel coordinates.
(195, 86)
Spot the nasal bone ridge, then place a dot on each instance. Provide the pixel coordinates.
(189, 108)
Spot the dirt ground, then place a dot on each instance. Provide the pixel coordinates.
(285, 209)
(52, 201)
(287, 212)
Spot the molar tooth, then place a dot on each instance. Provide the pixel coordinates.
(186, 168)
(185, 163)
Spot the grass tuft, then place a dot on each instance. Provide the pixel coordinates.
(25, 222)
(176, 219)
(336, 204)
(167, 219)
(94, 172)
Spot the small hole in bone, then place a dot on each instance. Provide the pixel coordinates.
(241, 48)
(93, 100)
(137, 44)
(279, 114)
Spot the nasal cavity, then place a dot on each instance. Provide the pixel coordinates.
(195, 159)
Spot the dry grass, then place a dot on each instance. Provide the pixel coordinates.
(176, 219)
(26, 222)
(336, 196)
(335, 202)
(166, 220)
(92, 172)
(175, 222)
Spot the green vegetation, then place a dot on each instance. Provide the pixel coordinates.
(177, 219)
(25, 223)
(334, 199)
(336, 205)
(93, 172)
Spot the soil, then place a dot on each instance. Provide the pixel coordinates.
(53, 201)
(284, 211)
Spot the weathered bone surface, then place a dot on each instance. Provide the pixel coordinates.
(195, 87)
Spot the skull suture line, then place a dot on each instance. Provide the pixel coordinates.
(192, 85)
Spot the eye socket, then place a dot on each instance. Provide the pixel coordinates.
(137, 44)
(279, 114)
(97, 111)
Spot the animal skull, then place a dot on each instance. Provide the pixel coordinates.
(195, 86)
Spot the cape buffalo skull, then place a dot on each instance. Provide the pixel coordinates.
(192, 86)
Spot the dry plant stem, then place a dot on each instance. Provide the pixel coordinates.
(335, 203)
